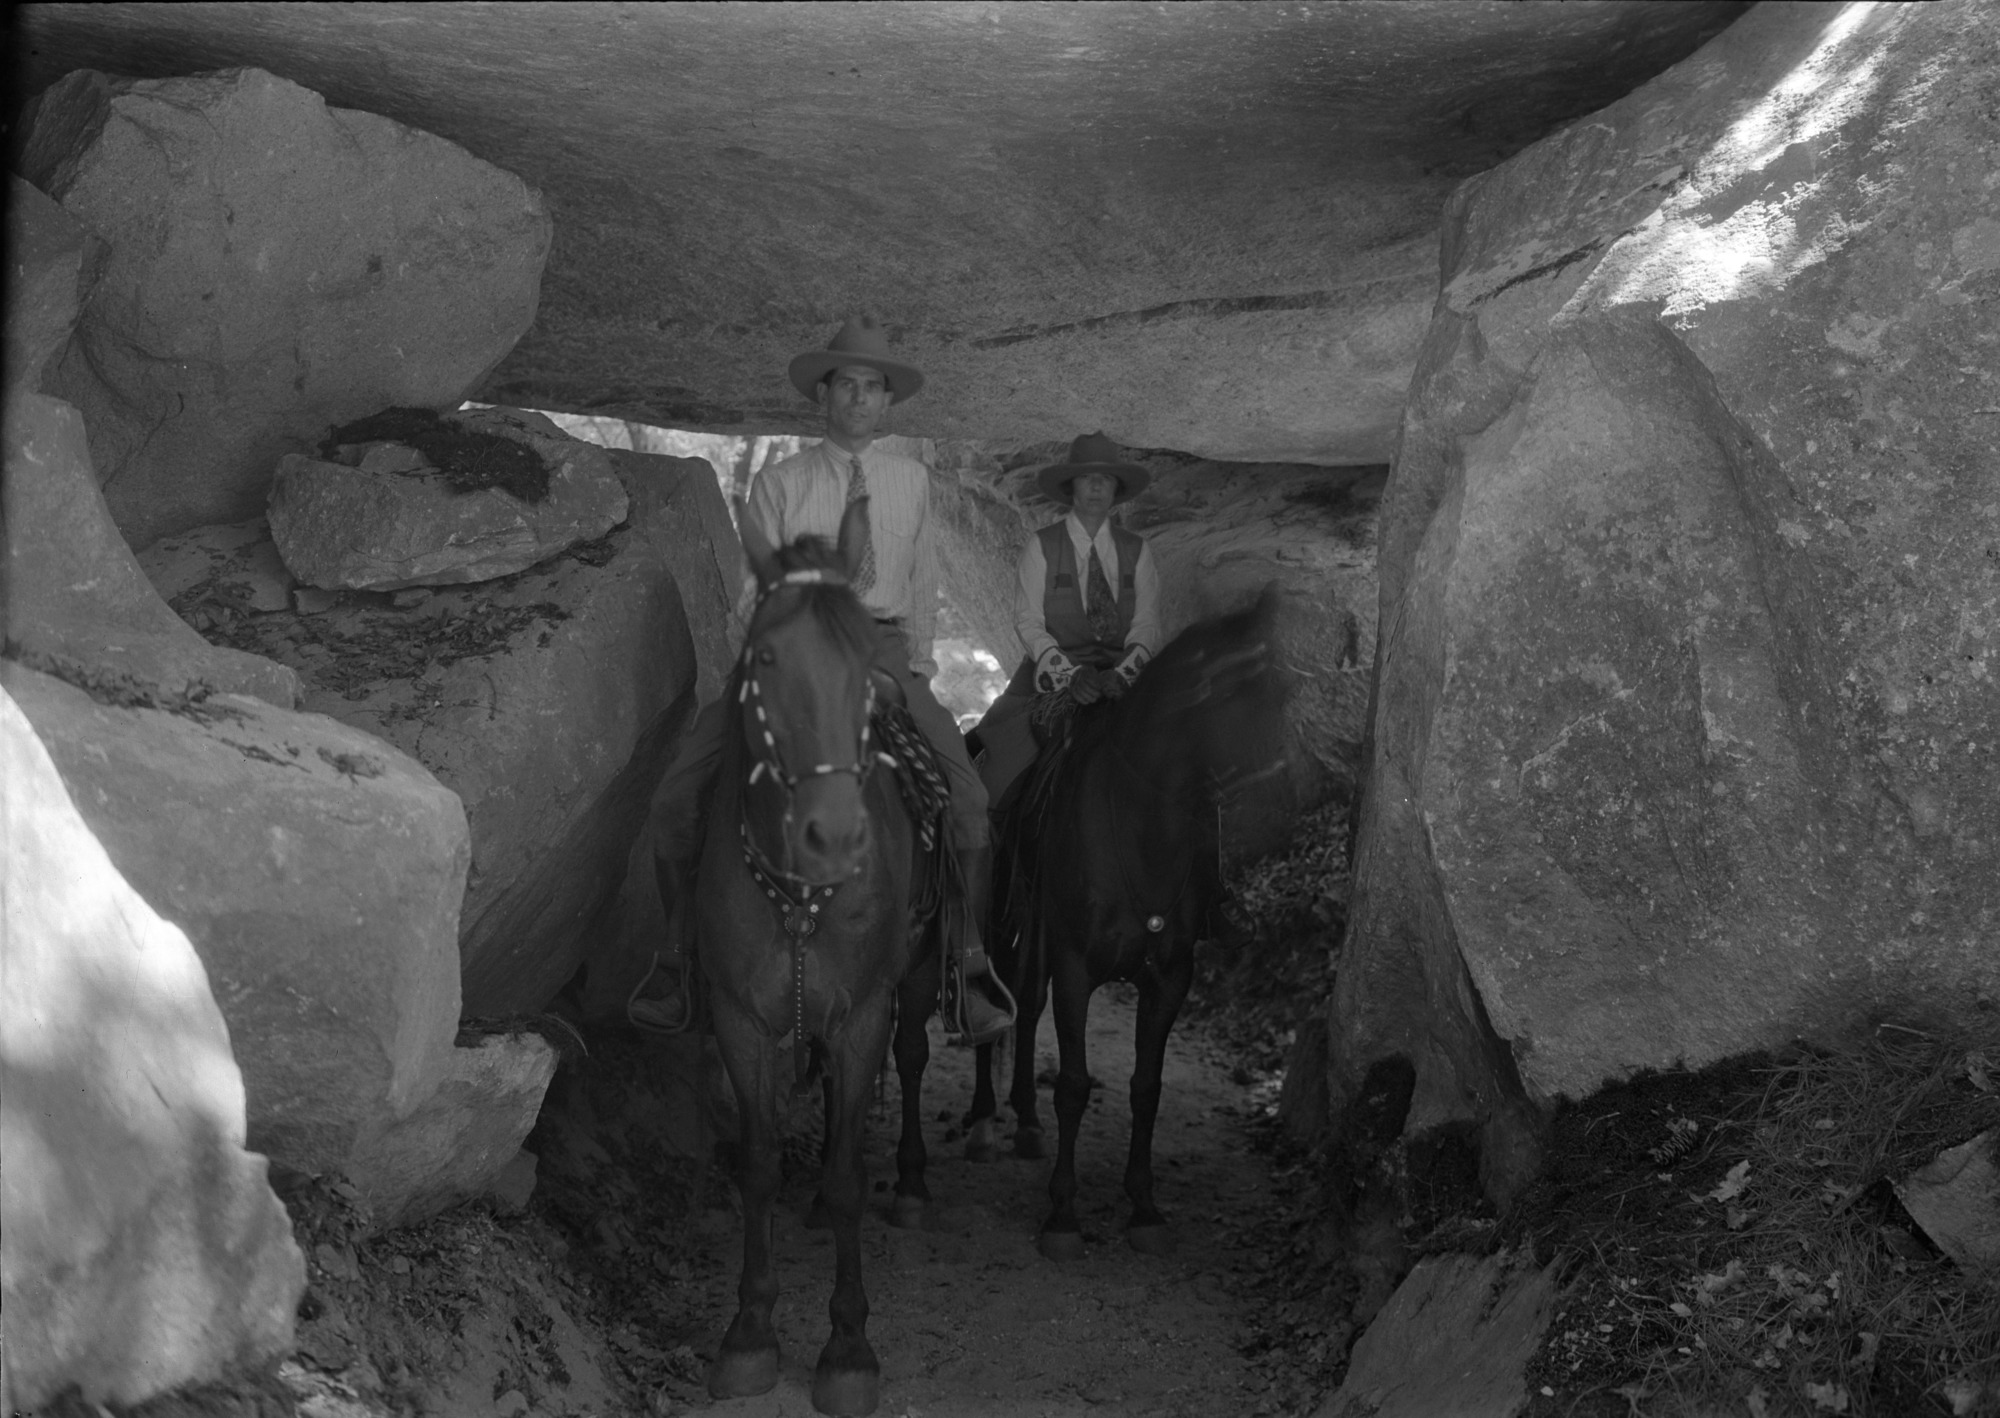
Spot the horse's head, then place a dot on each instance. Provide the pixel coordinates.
(1217, 692)
(804, 697)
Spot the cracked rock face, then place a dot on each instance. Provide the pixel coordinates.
(1206, 228)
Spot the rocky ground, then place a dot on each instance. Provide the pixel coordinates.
(1729, 1241)
(608, 1293)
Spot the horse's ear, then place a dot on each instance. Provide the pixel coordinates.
(854, 535)
(756, 546)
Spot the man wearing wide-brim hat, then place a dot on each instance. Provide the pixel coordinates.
(1086, 603)
(854, 379)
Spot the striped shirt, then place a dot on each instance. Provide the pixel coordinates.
(806, 495)
(1030, 620)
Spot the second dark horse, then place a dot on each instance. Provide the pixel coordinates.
(1113, 875)
(805, 927)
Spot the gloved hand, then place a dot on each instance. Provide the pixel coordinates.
(1086, 686)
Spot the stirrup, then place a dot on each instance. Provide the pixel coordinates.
(954, 1015)
(647, 1016)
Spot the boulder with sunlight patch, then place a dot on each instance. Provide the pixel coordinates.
(143, 1245)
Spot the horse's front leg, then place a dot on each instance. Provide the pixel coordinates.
(1027, 1019)
(1062, 1234)
(847, 1379)
(1160, 999)
(913, 1054)
(748, 1361)
(982, 1119)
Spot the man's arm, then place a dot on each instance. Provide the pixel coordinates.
(924, 589)
(767, 508)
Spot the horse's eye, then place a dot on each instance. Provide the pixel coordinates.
(766, 655)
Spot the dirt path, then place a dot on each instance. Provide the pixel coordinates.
(966, 1315)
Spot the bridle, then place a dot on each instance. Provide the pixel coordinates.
(770, 760)
(798, 904)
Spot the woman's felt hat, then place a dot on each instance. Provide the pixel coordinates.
(860, 341)
(1093, 453)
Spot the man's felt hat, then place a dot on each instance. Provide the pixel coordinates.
(860, 341)
(1093, 453)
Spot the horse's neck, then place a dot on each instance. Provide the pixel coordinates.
(1150, 753)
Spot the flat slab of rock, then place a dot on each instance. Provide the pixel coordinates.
(317, 872)
(1956, 1199)
(277, 267)
(379, 527)
(145, 1248)
(1454, 1339)
(214, 573)
(74, 589)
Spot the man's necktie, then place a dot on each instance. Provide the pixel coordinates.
(863, 580)
(1098, 607)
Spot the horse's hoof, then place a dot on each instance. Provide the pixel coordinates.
(906, 1213)
(743, 1374)
(982, 1142)
(1060, 1245)
(818, 1216)
(848, 1393)
(1157, 1240)
(1028, 1144)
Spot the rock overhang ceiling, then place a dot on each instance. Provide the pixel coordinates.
(1204, 227)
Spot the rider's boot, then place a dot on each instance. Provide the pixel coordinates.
(673, 1010)
(984, 1009)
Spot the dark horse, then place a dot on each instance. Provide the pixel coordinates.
(1112, 860)
(805, 926)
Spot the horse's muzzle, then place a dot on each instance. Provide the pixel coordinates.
(830, 830)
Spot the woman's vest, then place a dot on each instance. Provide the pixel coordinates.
(1063, 608)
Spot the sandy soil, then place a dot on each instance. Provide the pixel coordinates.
(969, 1319)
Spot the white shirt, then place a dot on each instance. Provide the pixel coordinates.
(1030, 620)
(806, 495)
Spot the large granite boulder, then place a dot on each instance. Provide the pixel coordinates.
(276, 267)
(392, 519)
(143, 1246)
(74, 590)
(52, 262)
(317, 872)
(548, 700)
(1684, 738)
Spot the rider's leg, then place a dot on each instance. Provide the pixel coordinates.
(1009, 745)
(679, 805)
(985, 1010)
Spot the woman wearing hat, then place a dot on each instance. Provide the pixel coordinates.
(1086, 607)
